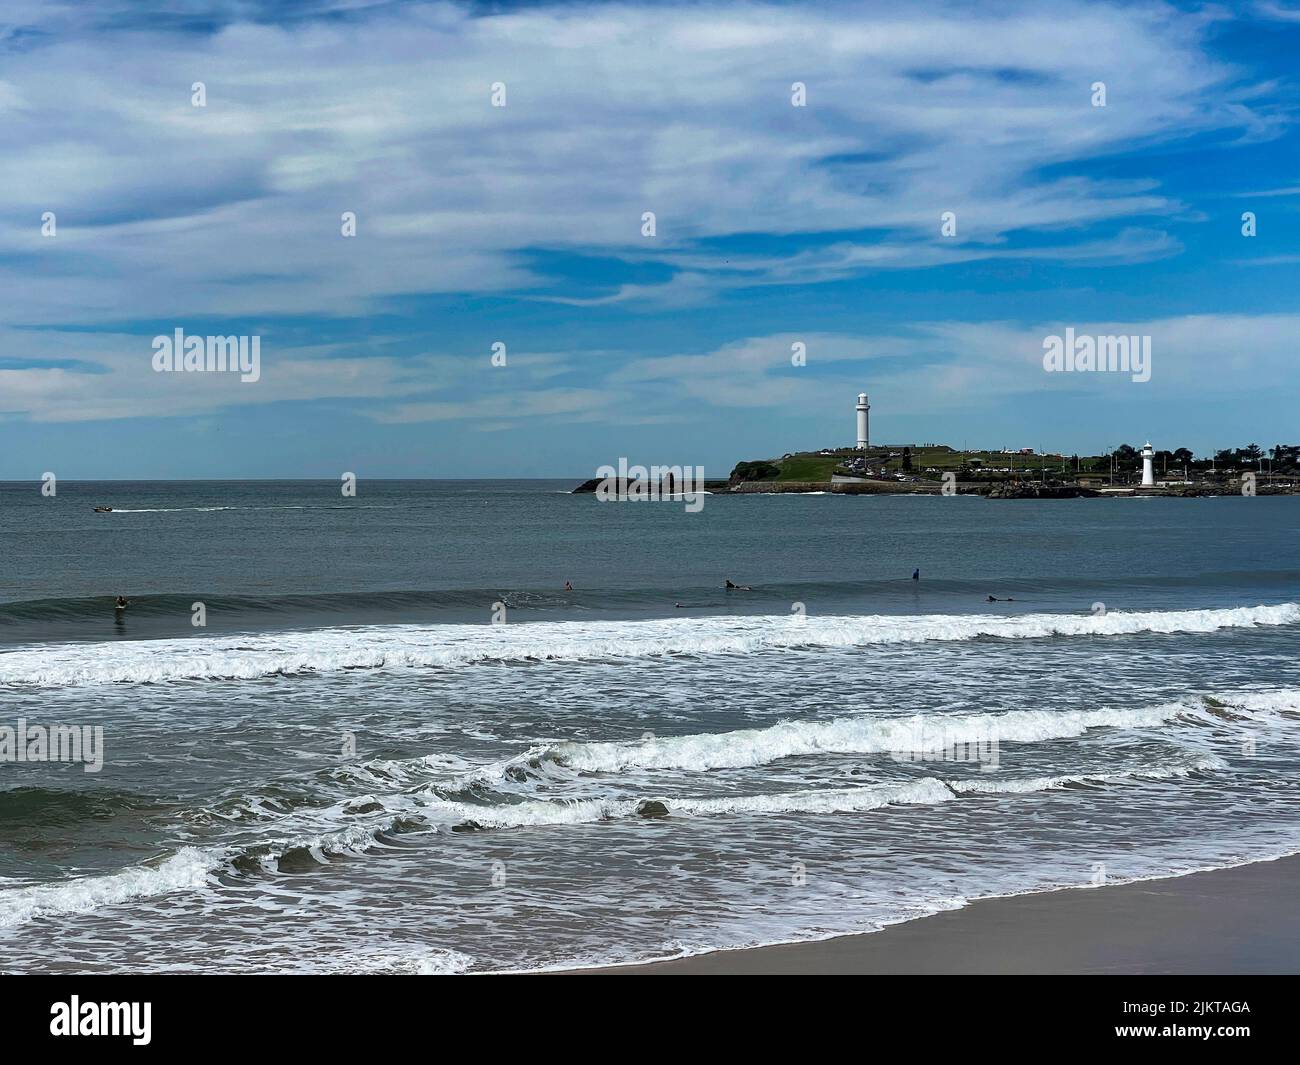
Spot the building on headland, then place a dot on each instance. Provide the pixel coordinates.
(864, 437)
(1148, 474)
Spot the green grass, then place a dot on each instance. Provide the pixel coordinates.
(807, 468)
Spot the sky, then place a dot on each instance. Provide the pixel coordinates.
(914, 196)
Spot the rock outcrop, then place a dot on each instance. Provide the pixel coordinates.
(1037, 490)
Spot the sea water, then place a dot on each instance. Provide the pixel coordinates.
(397, 744)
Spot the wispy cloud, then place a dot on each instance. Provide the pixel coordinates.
(775, 224)
(926, 367)
(233, 209)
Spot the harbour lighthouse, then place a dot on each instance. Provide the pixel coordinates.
(864, 438)
(1148, 476)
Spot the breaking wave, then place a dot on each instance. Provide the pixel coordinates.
(192, 868)
(859, 735)
(186, 870)
(307, 836)
(248, 657)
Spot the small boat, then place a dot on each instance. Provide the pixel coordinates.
(103, 510)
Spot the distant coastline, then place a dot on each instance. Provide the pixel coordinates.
(1020, 490)
(934, 469)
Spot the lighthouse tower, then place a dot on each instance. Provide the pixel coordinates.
(1148, 477)
(863, 408)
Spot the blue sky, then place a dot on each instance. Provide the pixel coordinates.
(522, 224)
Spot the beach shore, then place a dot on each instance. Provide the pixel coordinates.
(1228, 921)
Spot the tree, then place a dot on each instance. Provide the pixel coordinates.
(755, 471)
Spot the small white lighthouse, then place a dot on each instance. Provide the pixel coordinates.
(863, 436)
(1148, 476)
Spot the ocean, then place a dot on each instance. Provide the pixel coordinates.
(397, 744)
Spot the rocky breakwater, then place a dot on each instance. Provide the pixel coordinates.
(1035, 490)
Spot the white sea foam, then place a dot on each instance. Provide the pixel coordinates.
(186, 870)
(411, 960)
(449, 646)
(1263, 704)
(926, 790)
(191, 868)
(855, 735)
(1026, 785)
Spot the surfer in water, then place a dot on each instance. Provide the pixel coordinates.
(995, 599)
(916, 574)
(738, 587)
(568, 587)
(122, 603)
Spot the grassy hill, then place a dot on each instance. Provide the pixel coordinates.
(807, 467)
(812, 466)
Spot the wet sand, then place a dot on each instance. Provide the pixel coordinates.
(1229, 921)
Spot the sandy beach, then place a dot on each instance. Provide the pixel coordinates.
(1242, 920)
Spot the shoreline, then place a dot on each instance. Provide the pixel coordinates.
(1237, 920)
(982, 489)
(996, 490)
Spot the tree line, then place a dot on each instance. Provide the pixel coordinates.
(1281, 458)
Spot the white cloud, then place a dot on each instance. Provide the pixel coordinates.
(932, 366)
(233, 210)
(946, 366)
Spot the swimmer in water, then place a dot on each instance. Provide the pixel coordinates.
(568, 587)
(916, 574)
(122, 602)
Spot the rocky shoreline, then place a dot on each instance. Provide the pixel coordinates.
(1000, 490)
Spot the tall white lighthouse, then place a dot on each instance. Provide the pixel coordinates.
(1148, 476)
(863, 436)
